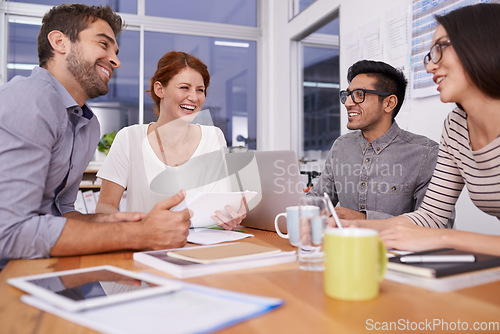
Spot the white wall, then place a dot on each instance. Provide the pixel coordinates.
(420, 115)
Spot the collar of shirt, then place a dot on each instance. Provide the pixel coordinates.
(69, 102)
(379, 144)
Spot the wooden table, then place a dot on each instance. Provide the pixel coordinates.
(306, 308)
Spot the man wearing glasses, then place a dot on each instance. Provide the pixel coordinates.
(380, 170)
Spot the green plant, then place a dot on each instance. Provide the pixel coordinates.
(105, 142)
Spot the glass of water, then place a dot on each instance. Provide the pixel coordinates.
(313, 220)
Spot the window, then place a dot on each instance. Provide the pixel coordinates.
(321, 83)
(321, 98)
(231, 96)
(122, 6)
(232, 62)
(22, 53)
(297, 6)
(238, 12)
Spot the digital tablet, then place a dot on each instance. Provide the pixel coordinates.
(80, 289)
(204, 204)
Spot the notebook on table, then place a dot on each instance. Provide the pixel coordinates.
(223, 253)
(274, 175)
(435, 269)
(444, 275)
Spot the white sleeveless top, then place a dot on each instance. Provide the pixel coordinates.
(132, 164)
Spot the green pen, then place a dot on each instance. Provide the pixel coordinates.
(217, 227)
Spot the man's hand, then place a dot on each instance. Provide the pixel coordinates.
(345, 213)
(163, 228)
(159, 229)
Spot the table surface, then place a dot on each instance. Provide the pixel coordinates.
(307, 309)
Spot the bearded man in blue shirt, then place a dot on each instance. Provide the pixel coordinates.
(49, 135)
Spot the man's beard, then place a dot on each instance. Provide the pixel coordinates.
(86, 74)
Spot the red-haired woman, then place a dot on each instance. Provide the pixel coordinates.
(190, 156)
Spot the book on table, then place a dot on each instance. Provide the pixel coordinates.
(204, 260)
(444, 275)
(223, 253)
(442, 268)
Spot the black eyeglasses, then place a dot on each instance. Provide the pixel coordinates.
(358, 95)
(436, 52)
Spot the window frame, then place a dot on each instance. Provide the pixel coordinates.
(305, 38)
(142, 23)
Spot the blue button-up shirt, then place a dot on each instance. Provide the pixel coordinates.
(46, 141)
(383, 178)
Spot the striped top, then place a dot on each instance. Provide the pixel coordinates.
(457, 165)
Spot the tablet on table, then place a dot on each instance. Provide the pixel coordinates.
(80, 289)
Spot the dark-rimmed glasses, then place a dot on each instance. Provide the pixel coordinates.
(358, 95)
(436, 52)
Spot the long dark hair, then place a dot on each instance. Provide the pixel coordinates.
(474, 33)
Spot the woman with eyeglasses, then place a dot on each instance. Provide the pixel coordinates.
(465, 62)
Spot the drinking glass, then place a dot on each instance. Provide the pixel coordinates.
(313, 220)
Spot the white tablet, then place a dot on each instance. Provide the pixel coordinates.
(80, 289)
(204, 204)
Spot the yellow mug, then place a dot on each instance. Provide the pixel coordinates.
(355, 263)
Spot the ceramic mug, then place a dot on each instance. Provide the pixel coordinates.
(355, 263)
(292, 222)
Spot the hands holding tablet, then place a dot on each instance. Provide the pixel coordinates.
(161, 228)
(164, 228)
(236, 217)
(209, 208)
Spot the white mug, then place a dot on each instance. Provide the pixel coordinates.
(292, 222)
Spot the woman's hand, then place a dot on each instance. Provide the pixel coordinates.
(236, 217)
(410, 237)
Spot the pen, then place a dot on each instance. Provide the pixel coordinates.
(216, 227)
(437, 258)
(332, 210)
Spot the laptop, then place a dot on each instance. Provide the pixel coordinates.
(275, 176)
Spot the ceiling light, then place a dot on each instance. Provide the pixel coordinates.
(232, 44)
